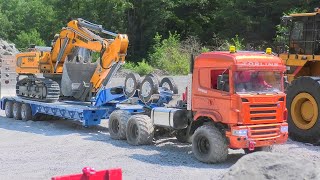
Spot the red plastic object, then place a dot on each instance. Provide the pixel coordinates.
(251, 145)
(89, 173)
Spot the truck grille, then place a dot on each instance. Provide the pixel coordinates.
(263, 112)
(264, 132)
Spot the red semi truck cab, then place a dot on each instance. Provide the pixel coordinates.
(242, 94)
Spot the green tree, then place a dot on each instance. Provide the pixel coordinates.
(24, 39)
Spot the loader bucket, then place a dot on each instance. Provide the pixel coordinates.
(76, 79)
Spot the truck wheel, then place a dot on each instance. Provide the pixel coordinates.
(131, 84)
(149, 86)
(118, 124)
(140, 130)
(182, 137)
(257, 149)
(9, 109)
(303, 104)
(26, 112)
(209, 145)
(169, 83)
(16, 110)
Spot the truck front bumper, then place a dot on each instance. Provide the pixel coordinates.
(252, 136)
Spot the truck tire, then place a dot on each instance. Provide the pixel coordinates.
(303, 104)
(182, 137)
(140, 130)
(149, 87)
(118, 124)
(131, 84)
(169, 83)
(26, 112)
(257, 149)
(16, 110)
(9, 109)
(209, 145)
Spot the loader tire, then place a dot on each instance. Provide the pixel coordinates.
(155, 76)
(16, 110)
(9, 109)
(131, 84)
(26, 112)
(140, 130)
(303, 104)
(118, 124)
(169, 83)
(209, 145)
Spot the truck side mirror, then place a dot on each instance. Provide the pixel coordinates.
(223, 82)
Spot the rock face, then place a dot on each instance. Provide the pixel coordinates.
(266, 165)
(7, 48)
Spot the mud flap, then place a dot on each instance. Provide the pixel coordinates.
(76, 79)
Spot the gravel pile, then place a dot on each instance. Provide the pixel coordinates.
(7, 48)
(266, 165)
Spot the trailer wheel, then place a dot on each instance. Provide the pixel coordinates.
(257, 149)
(131, 84)
(303, 104)
(118, 124)
(16, 110)
(140, 130)
(149, 87)
(209, 145)
(182, 137)
(9, 109)
(169, 83)
(26, 112)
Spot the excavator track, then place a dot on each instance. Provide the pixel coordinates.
(38, 89)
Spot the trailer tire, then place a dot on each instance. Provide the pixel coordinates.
(118, 124)
(149, 86)
(209, 145)
(258, 149)
(26, 112)
(131, 84)
(9, 109)
(16, 110)
(182, 137)
(303, 104)
(140, 130)
(169, 83)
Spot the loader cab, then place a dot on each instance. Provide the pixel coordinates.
(304, 36)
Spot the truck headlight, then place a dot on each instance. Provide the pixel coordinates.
(240, 132)
(284, 129)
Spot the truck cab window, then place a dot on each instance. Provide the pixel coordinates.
(220, 79)
(297, 31)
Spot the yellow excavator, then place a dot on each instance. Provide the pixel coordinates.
(302, 58)
(67, 67)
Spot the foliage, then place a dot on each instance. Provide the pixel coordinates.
(168, 55)
(142, 68)
(24, 39)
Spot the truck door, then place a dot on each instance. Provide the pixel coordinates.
(212, 93)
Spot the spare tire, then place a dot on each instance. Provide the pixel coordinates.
(157, 78)
(149, 87)
(131, 84)
(169, 83)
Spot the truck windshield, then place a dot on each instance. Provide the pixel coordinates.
(257, 82)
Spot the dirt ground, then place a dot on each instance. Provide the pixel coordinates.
(43, 149)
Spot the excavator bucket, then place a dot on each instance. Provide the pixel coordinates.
(76, 79)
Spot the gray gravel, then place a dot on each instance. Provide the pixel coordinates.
(43, 149)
